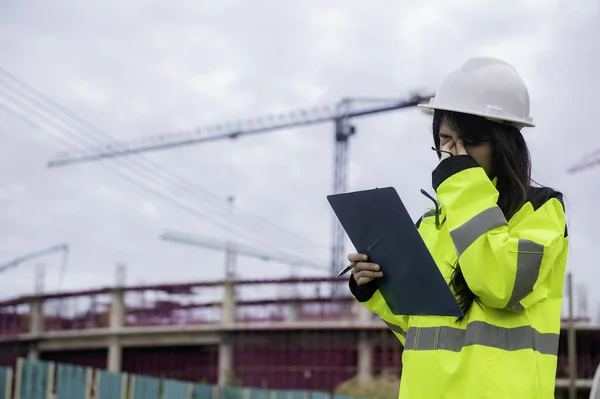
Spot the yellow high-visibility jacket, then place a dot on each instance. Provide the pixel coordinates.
(506, 345)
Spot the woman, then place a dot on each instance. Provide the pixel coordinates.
(500, 242)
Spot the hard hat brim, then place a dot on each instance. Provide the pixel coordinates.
(519, 122)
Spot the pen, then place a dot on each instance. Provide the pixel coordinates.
(345, 270)
(351, 265)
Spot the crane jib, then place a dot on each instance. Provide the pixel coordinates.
(225, 131)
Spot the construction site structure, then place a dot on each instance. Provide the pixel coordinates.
(199, 332)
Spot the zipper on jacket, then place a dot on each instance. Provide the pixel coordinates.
(438, 210)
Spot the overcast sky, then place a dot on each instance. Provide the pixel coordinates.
(137, 68)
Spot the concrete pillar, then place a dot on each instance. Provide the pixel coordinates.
(225, 361)
(228, 307)
(117, 310)
(36, 316)
(33, 353)
(365, 357)
(115, 354)
(225, 376)
(294, 314)
(116, 322)
(363, 315)
(36, 327)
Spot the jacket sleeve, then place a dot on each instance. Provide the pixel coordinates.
(503, 267)
(370, 297)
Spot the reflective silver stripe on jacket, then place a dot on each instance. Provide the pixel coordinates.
(529, 261)
(480, 333)
(475, 227)
(529, 258)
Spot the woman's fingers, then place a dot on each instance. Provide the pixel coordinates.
(363, 280)
(374, 267)
(449, 146)
(447, 149)
(365, 272)
(354, 257)
(460, 148)
(362, 270)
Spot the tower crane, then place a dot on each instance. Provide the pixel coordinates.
(340, 113)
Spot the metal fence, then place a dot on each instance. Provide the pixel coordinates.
(48, 380)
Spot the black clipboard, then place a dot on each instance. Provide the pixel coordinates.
(411, 284)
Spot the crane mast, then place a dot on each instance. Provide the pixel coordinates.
(343, 131)
(340, 114)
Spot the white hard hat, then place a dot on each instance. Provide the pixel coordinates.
(487, 87)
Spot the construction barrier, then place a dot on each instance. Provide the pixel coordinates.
(6, 377)
(48, 380)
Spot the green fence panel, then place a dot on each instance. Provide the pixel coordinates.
(35, 379)
(71, 382)
(259, 393)
(233, 393)
(6, 374)
(175, 389)
(318, 395)
(110, 385)
(202, 391)
(299, 395)
(145, 388)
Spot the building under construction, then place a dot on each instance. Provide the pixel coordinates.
(204, 331)
(200, 332)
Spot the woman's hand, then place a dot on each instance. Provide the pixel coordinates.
(454, 148)
(363, 271)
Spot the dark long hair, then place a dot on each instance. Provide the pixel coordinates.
(511, 166)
